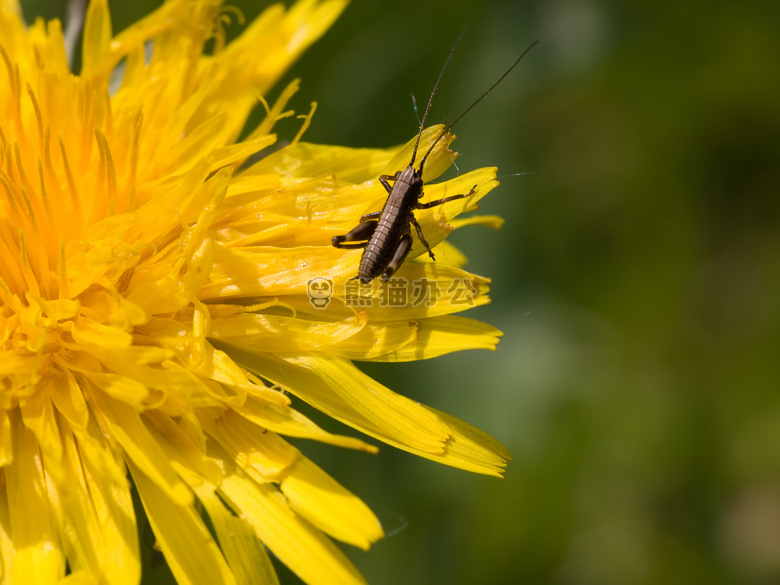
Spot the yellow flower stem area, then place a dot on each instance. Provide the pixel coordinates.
(157, 313)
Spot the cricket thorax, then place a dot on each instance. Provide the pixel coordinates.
(407, 189)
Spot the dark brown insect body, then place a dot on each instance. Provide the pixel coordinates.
(391, 240)
(386, 235)
(388, 232)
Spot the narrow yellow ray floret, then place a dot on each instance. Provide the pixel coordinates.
(157, 311)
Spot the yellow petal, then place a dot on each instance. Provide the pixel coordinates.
(440, 335)
(284, 334)
(88, 332)
(263, 455)
(290, 422)
(120, 387)
(38, 558)
(304, 549)
(237, 539)
(66, 395)
(229, 374)
(9, 9)
(7, 548)
(183, 451)
(6, 446)
(331, 508)
(192, 554)
(97, 36)
(377, 340)
(284, 36)
(339, 389)
(38, 416)
(471, 449)
(303, 159)
(442, 438)
(492, 221)
(140, 446)
(50, 45)
(100, 522)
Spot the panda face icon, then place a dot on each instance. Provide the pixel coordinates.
(319, 290)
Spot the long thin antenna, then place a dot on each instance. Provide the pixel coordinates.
(430, 99)
(467, 110)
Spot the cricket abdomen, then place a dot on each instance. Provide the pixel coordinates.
(382, 244)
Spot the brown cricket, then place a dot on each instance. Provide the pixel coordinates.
(386, 235)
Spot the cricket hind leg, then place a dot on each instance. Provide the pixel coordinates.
(401, 251)
(361, 232)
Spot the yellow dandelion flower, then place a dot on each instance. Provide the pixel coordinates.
(161, 299)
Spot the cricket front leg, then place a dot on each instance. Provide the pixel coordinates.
(361, 232)
(445, 199)
(384, 180)
(421, 236)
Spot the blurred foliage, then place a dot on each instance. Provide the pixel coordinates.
(636, 282)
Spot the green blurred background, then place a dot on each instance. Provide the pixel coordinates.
(636, 282)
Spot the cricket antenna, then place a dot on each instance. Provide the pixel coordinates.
(430, 99)
(467, 110)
